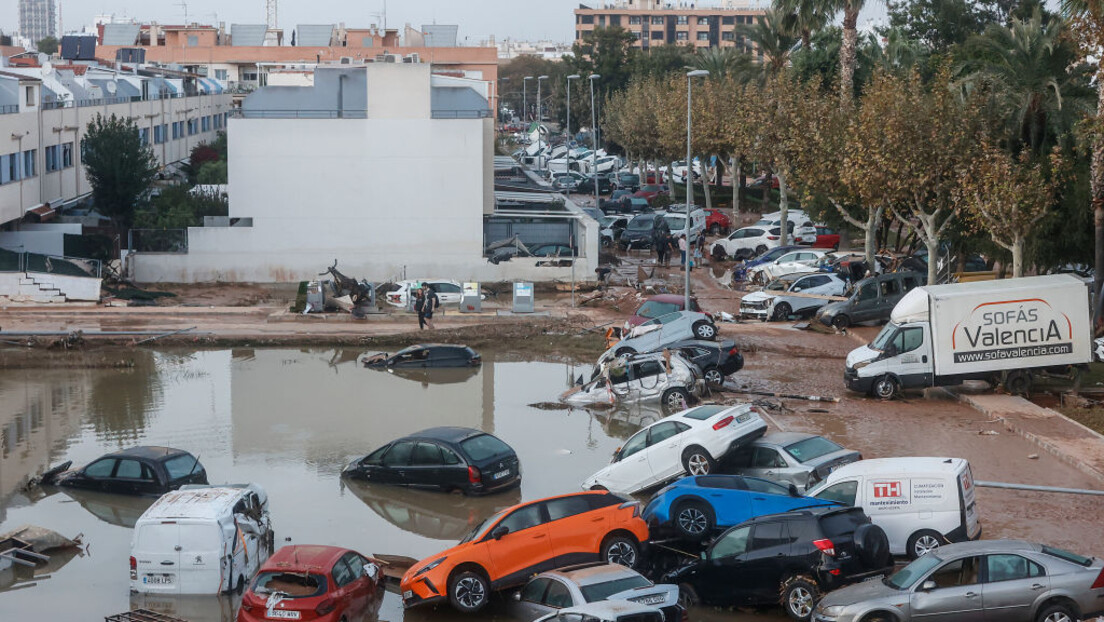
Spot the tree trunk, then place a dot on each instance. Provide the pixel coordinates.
(847, 56)
(1096, 186)
(783, 206)
(736, 173)
(705, 184)
(932, 245)
(1017, 257)
(873, 224)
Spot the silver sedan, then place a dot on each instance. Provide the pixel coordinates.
(792, 458)
(573, 586)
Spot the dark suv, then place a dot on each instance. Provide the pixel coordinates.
(789, 558)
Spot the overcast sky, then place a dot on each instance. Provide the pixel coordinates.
(517, 19)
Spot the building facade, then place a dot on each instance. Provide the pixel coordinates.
(655, 22)
(37, 19)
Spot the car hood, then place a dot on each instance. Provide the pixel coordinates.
(375, 359)
(861, 592)
(862, 354)
(758, 296)
(831, 309)
(840, 456)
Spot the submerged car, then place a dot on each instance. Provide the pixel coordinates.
(693, 507)
(424, 355)
(311, 582)
(794, 458)
(446, 458)
(145, 470)
(507, 548)
(692, 441)
(572, 586)
(634, 378)
(985, 580)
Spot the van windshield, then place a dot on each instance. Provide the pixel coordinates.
(882, 340)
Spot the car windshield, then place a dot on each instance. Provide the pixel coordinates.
(640, 224)
(774, 253)
(484, 446)
(882, 340)
(182, 466)
(607, 221)
(781, 284)
(290, 584)
(811, 448)
(482, 527)
(654, 308)
(408, 350)
(906, 577)
(602, 591)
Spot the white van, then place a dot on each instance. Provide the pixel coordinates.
(201, 540)
(919, 502)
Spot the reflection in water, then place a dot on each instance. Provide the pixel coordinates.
(120, 402)
(624, 420)
(18, 576)
(441, 375)
(121, 510)
(221, 608)
(436, 515)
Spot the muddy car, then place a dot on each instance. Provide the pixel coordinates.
(424, 355)
(668, 378)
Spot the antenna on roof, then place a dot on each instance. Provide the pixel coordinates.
(184, 4)
(270, 13)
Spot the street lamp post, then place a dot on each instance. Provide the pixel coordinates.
(540, 117)
(525, 98)
(573, 76)
(689, 180)
(594, 138)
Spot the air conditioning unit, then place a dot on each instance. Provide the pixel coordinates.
(412, 58)
(346, 60)
(392, 58)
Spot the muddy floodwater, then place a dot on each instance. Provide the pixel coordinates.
(288, 420)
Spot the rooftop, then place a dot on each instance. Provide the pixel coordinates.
(201, 502)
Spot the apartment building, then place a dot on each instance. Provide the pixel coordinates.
(655, 22)
(37, 19)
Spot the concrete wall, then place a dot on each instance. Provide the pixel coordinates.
(45, 287)
(44, 238)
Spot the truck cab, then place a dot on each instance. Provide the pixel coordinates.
(898, 358)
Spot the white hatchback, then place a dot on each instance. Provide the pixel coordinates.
(692, 442)
(448, 292)
(803, 260)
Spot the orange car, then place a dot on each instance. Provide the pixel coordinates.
(518, 542)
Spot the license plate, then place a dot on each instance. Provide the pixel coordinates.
(652, 600)
(502, 474)
(743, 418)
(408, 594)
(282, 614)
(158, 579)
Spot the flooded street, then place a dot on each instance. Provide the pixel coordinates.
(285, 419)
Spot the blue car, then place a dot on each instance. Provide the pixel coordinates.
(693, 507)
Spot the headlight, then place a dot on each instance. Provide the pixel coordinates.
(833, 611)
(430, 566)
(861, 364)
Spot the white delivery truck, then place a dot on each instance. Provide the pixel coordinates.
(1000, 331)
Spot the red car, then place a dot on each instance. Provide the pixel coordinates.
(650, 191)
(717, 222)
(826, 238)
(309, 582)
(658, 305)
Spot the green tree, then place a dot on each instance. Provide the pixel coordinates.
(178, 208)
(213, 173)
(660, 61)
(119, 167)
(804, 17)
(47, 45)
(607, 52)
(772, 40)
(941, 24)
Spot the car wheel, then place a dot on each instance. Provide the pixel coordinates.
(923, 541)
(676, 399)
(705, 330)
(782, 311)
(622, 351)
(841, 322)
(468, 592)
(697, 461)
(1056, 613)
(885, 387)
(715, 229)
(872, 546)
(620, 550)
(688, 596)
(1018, 382)
(693, 520)
(759, 250)
(606, 243)
(718, 253)
(714, 377)
(799, 596)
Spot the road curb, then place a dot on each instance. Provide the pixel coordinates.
(1051, 448)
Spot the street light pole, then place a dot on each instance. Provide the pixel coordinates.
(689, 180)
(594, 137)
(573, 76)
(525, 98)
(540, 117)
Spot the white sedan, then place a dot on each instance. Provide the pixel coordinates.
(794, 261)
(448, 292)
(692, 441)
(772, 303)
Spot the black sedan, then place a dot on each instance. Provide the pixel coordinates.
(446, 458)
(146, 470)
(425, 355)
(717, 360)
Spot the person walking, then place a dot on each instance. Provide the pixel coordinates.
(683, 248)
(430, 305)
(661, 246)
(419, 307)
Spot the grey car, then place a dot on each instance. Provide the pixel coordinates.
(792, 458)
(872, 299)
(660, 332)
(987, 580)
(606, 611)
(573, 586)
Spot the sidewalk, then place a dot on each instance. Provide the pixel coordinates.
(1057, 434)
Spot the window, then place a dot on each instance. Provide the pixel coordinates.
(484, 446)
(67, 155)
(158, 137)
(703, 21)
(728, 20)
(12, 169)
(634, 20)
(658, 20)
(175, 130)
(182, 466)
(220, 74)
(637, 34)
(522, 519)
(647, 369)
(727, 35)
(52, 162)
(766, 458)
(342, 574)
(29, 158)
(910, 283)
(427, 454)
(100, 468)
(586, 19)
(132, 469)
(811, 448)
(143, 136)
(868, 292)
(663, 431)
(890, 287)
(566, 506)
(558, 596)
(356, 564)
(533, 592)
(30, 96)
(755, 484)
(601, 20)
(909, 339)
(1011, 567)
(193, 41)
(682, 20)
(843, 492)
(767, 535)
(703, 36)
(636, 443)
(615, 20)
(731, 544)
(957, 573)
(399, 454)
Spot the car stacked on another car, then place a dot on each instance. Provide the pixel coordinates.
(716, 360)
(660, 304)
(574, 586)
(670, 379)
(773, 303)
(802, 260)
(659, 332)
(792, 458)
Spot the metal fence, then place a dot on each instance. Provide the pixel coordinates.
(11, 109)
(158, 241)
(238, 113)
(20, 261)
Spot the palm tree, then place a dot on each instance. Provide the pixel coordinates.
(722, 63)
(772, 42)
(1087, 18)
(803, 17)
(1026, 69)
(897, 53)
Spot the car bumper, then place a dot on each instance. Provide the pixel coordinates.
(855, 383)
(507, 484)
(420, 592)
(759, 314)
(734, 364)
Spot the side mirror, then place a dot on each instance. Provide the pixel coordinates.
(500, 531)
(793, 491)
(928, 586)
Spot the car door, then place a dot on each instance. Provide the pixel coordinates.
(362, 589)
(665, 449)
(770, 463)
(913, 367)
(574, 529)
(344, 579)
(426, 465)
(97, 476)
(134, 477)
(448, 293)
(769, 497)
(955, 597)
(631, 470)
(396, 463)
(648, 379)
(530, 600)
(523, 549)
(727, 496)
(1012, 583)
(865, 306)
(722, 576)
(764, 563)
(889, 293)
(844, 492)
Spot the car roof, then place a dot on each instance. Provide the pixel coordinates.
(207, 502)
(301, 557)
(897, 467)
(782, 438)
(454, 434)
(149, 452)
(987, 546)
(589, 574)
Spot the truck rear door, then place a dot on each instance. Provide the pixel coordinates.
(969, 504)
(157, 557)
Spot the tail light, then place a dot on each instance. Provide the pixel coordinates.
(723, 422)
(635, 505)
(772, 237)
(1099, 583)
(133, 569)
(825, 546)
(474, 476)
(325, 607)
(248, 602)
(734, 351)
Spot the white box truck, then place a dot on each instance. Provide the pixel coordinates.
(1000, 331)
